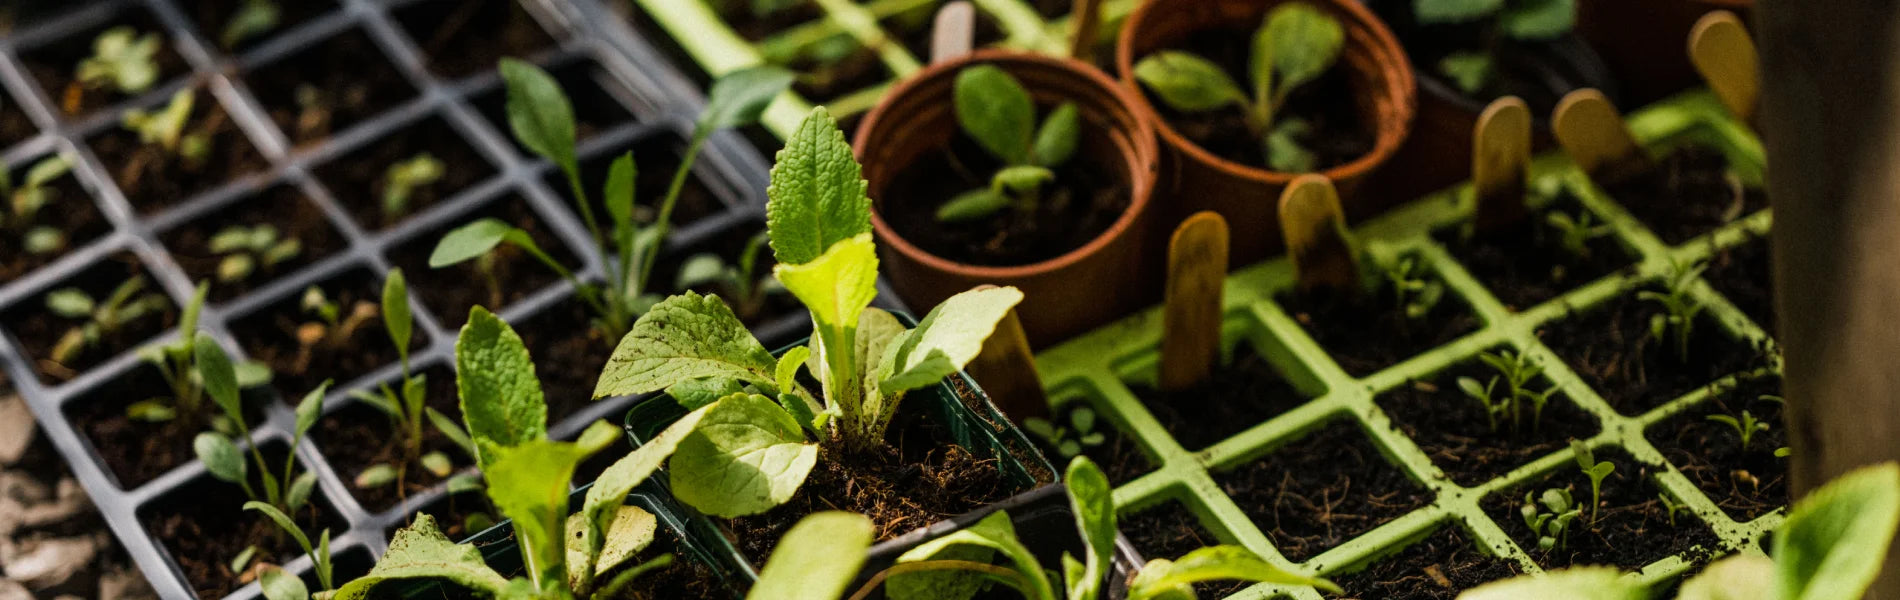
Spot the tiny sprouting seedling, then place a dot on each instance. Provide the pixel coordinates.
(1596, 471)
(122, 59)
(1408, 279)
(1507, 406)
(1675, 325)
(1506, 21)
(543, 120)
(1671, 505)
(165, 129)
(244, 250)
(403, 178)
(128, 303)
(1295, 44)
(252, 18)
(1068, 440)
(332, 329)
(1549, 516)
(742, 280)
(177, 364)
(995, 110)
(25, 201)
(1745, 425)
(1574, 234)
(406, 404)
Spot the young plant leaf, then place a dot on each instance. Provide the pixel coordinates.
(998, 534)
(396, 317)
(375, 476)
(683, 338)
(838, 285)
(1586, 583)
(220, 457)
(1738, 577)
(309, 409)
(629, 531)
(1092, 498)
(283, 521)
(995, 110)
(1161, 577)
(421, 551)
(817, 558)
(817, 192)
(278, 585)
(475, 239)
(1454, 11)
(1057, 138)
(972, 205)
(786, 375)
(1538, 19)
(739, 97)
(747, 456)
(1188, 83)
(948, 338)
(610, 490)
(1834, 541)
(694, 393)
(220, 378)
(1301, 42)
(501, 398)
(528, 483)
(539, 112)
(617, 194)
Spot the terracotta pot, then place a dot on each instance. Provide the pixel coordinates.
(1645, 42)
(1110, 276)
(1194, 179)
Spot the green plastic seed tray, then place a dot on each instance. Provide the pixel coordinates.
(1344, 419)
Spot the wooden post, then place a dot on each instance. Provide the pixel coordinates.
(1724, 54)
(1315, 231)
(1593, 133)
(1086, 19)
(1190, 326)
(954, 31)
(1500, 162)
(1007, 370)
(1830, 121)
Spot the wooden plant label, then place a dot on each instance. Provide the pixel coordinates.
(953, 32)
(1315, 230)
(1085, 19)
(1593, 133)
(1724, 54)
(1190, 326)
(1007, 370)
(1500, 162)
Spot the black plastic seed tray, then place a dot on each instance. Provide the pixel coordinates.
(403, 76)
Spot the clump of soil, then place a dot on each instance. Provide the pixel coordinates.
(358, 179)
(1631, 528)
(1527, 264)
(1452, 427)
(686, 578)
(1170, 531)
(358, 436)
(1610, 347)
(38, 330)
(329, 87)
(1746, 482)
(513, 275)
(1742, 274)
(1319, 491)
(272, 336)
(1245, 392)
(154, 178)
(55, 65)
(136, 452)
(1435, 568)
(656, 158)
(203, 526)
(70, 211)
(1119, 455)
(1365, 333)
(282, 207)
(212, 16)
(464, 38)
(1690, 192)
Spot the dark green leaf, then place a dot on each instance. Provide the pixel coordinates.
(220, 378)
(1538, 19)
(1056, 140)
(1431, 12)
(539, 112)
(396, 310)
(617, 193)
(994, 109)
(1188, 83)
(220, 456)
(972, 205)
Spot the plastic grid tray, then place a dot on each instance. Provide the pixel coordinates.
(1098, 368)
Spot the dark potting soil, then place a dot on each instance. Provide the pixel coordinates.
(568, 355)
(1119, 455)
(38, 330)
(1688, 193)
(514, 274)
(203, 525)
(329, 87)
(358, 179)
(359, 436)
(1534, 72)
(589, 89)
(464, 38)
(212, 16)
(1245, 392)
(70, 210)
(1452, 428)
(984, 410)
(685, 578)
(154, 179)
(55, 65)
(755, 26)
(1631, 529)
(1051, 9)
(281, 206)
(1743, 275)
(1527, 264)
(136, 452)
(1087, 196)
(1435, 568)
(1366, 333)
(1321, 490)
(15, 126)
(1611, 348)
(1171, 531)
(912, 28)
(270, 336)
(1745, 482)
(1329, 105)
(823, 76)
(655, 160)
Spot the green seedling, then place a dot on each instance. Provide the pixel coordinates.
(1072, 439)
(996, 111)
(165, 129)
(128, 303)
(1507, 406)
(1574, 234)
(1549, 516)
(1830, 547)
(1745, 426)
(959, 565)
(543, 120)
(1671, 505)
(1406, 276)
(742, 280)
(332, 329)
(1596, 471)
(1296, 44)
(1505, 21)
(866, 361)
(1675, 325)
(220, 452)
(402, 179)
(122, 60)
(406, 404)
(244, 250)
(25, 201)
(177, 364)
(279, 585)
(253, 18)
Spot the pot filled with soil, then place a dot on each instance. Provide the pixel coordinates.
(1014, 169)
(1232, 151)
(1642, 41)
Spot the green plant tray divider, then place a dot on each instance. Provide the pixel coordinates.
(1093, 368)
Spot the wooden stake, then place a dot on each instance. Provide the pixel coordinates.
(1007, 370)
(1500, 162)
(1190, 326)
(954, 32)
(1724, 54)
(1315, 230)
(1593, 133)
(1086, 19)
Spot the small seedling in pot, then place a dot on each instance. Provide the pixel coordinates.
(165, 130)
(26, 200)
(1296, 44)
(1507, 406)
(996, 111)
(402, 179)
(245, 250)
(253, 18)
(122, 60)
(1671, 505)
(406, 403)
(128, 303)
(1596, 471)
(1068, 440)
(741, 280)
(543, 120)
(177, 364)
(1506, 21)
(1549, 516)
(1675, 325)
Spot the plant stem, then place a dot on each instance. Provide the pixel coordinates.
(587, 208)
(664, 221)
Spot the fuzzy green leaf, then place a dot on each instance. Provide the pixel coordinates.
(817, 192)
(838, 285)
(1188, 83)
(683, 338)
(1211, 564)
(278, 585)
(1058, 136)
(746, 456)
(995, 110)
(1431, 12)
(1834, 541)
(420, 551)
(1586, 583)
(539, 112)
(817, 558)
(949, 337)
(1538, 19)
(396, 317)
(739, 97)
(501, 398)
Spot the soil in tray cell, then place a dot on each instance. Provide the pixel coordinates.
(69, 209)
(686, 578)
(756, 20)
(303, 349)
(505, 276)
(39, 330)
(55, 66)
(284, 210)
(655, 159)
(215, 19)
(15, 126)
(1117, 453)
(1690, 192)
(203, 526)
(1170, 531)
(1245, 392)
(1530, 262)
(1747, 482)
(328, 87)
(1630, 528)
(568, 355)
(912, 29)
(1321, 490)
(1336, 134)
(1435, 568)
(464, 38)
(1366, 332)
(138, 450)
(359, 436)
(155, 178)
(361, 179)
(599, 101)
(1611, 348)
(1454, 430)
(1742, 274)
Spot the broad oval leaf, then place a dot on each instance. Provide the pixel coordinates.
(1057, 138)
(420, 551)
(1216, 563)
(475, 239)
(838, 285)
(1834, 541)
(1305, 42)
(683, 338)
(220, 456)
(219, 377)
(746, 456)
(1738, 577)
(1188, 83)
(817, 195)
(278, 585)
(500, 396)
(949, 337)
(611, 488)
(739, 97)
(817, 558)
(995, 110)
(539, 112)
(1092, 498)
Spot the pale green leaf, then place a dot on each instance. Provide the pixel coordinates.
(1739, 577)
(1586, 583)
(477, 238)
(1285, 152)
(694, 393)
(739, 97)
(283, 521)
(949, 337)
(1092, 498)
(817, 192)
(1834, 540)
(949, 584)
(700, 269)
(310, 408)
(617, 192)
(420, 551)
(438, 464)
(1430, 12)
(1469, 71)
(1022, 179)
(995, 110)
(1188, 83)
(501, 398)
(219, 377)
(1212, 564)
(297, 494)
(71, 303)
(879, 334)
(611, 488)
(817, 558)
(539, 112)
(1306, 41)
(838, 285)
(996, 533)
(375, 476)
(972, 205)
(682, 338)
(786, 375)
(278, 585)
(746, 456)
(630, 531)
(528, 484)
(1058, 136)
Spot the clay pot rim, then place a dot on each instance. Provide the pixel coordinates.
(1387, 140)
(1141, 181)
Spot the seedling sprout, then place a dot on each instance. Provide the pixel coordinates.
(996, 111)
